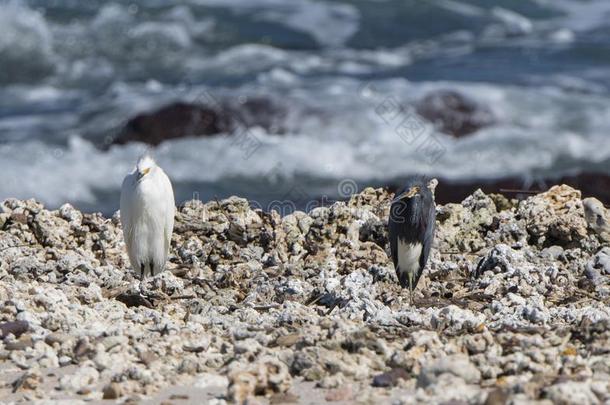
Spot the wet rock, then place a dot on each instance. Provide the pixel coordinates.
(180, 119)
(454, 113)
(257, 112)
(172, 121)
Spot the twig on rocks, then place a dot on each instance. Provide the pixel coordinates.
(314, 300)
(114, 292)
(134, 300)
(222, 209)
(518, 191)
(202, 281)
(265, 307)
(338, 302)
(183, 297)
(18, 383)
(180, 271)
(12, 247)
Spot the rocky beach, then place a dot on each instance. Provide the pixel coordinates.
(256, 308)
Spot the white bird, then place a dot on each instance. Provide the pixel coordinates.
(147, 216)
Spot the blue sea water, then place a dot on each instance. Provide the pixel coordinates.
(73, 72)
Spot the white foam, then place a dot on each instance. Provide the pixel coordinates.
(461, 8)
(333, 131)
(172, 34)
(515, 22)
(26, 44)
(331, 24)
(583, 15)
(349, 141)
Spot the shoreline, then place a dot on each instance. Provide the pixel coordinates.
(285, 309)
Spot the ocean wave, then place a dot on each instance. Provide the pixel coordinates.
(582, 15)
(74, 73)
(26, 45)
(329, 23)
(167, 42)
(351, 141)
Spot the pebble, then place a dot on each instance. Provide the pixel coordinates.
(390, 378)
(254, 303)
(112, 391)
(344, 393)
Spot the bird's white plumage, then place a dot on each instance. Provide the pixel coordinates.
(408, 256)
(147, 216)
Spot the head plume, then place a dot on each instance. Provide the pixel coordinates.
(145, 162)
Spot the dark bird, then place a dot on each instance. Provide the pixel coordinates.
(411, 227)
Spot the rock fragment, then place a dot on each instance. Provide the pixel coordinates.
(112, 391)
(597, 217)
(255, 304)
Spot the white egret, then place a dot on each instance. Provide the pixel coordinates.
(147, 216)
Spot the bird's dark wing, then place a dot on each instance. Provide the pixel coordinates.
(429, 226)
(393, 236)
(403, 226)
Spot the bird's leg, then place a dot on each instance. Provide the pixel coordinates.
(142, 268)
(152, 268)
(410, 288)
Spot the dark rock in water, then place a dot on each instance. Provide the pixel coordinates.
(180, 119)
(454, 113)
(257, 112)
(173, 121)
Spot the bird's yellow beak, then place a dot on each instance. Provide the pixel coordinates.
(143, 173)
(409, 193)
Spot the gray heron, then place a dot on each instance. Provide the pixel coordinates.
(411, 230)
